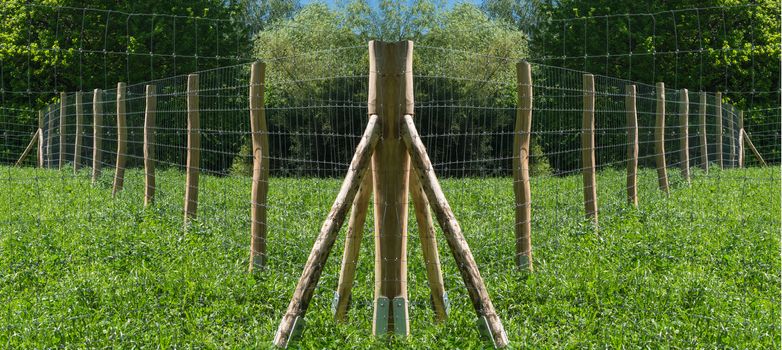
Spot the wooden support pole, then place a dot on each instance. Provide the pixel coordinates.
(453, 233)
(27, 150)
(390, 96)
(122, 140)
(588, 149)
(741, 139)
(97, 132)
(49, 138)
(40, 139)
(732, 136)
(659, 139)
(260, 186)
(704, 134)
(718, 105)
(150, 107)
(63, 105)
(684, 140)
(632, 145)
(521, 186)
(77, 144)
(754, 150)
(193, 148)
(328, 233)
(355, 234)
(426, 234)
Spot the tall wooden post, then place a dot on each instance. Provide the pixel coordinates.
(122, 140)
(49, 137)
(588, 148)
(97, 132)
(260, 186)
(521, 186)
(632, 145)
(741, 139)
(659, 139)
(40, 138)
(390, 97)
(704, 134)
(684, 141)
(77, 142)
(718, 105)
(193, 148)
(150, 107)
(63, 105)
(732, 135)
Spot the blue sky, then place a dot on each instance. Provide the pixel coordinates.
(332, 3)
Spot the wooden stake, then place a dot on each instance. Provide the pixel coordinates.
(97, 130)
(741, 139)
(704, 134)
(427, 235)
(659, 139)
(260, 187)
(77, 143)
(453, 233)
(718, 105)
(588, 149)
(63, 105)
(521, 186)
(150, 106)
(49, 138)
(40, 139)
(632, 145)
(27, 149)
(122, 140)
(328, 233)
(684, 141)
(732, 136)
(390, 96)
(355, 234)
(193, 149)
(754, 150)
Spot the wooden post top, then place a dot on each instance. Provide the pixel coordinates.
(390, 62)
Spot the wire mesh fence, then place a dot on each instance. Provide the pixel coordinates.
(466, 110)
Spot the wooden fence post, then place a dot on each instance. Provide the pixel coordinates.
(390, 96)
(77, 142)
(732, 136)
(193, 148)
(61, 161)
(659, 139)
(684, 141)
(49, 137)
(521, 185)
(632, 145)
(40, 139)
(754, 150)
(260, 186)
(704, 134)
(150, 107)
(718, 105)
(122, 140)
(97, 133)
(741, 139)
(588, 148)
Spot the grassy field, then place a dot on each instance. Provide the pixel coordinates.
(699, 268)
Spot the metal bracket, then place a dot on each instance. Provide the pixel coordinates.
(446, 302)
(381, 316)
(335, 302)
(400, 316)
(297, 330)
(483, 329)
(522, 261)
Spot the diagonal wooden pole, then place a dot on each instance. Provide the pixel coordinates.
(347, 273)
(328, 233)
(29, 148)
(453, 233)
(753, 149)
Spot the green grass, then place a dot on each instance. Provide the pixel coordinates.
(699, 268)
